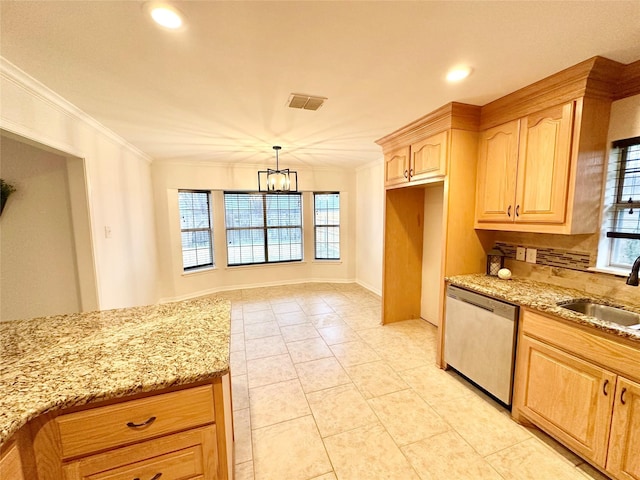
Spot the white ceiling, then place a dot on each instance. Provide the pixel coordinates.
(217, 89)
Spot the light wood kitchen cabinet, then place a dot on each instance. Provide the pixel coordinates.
(184, 456)
(571, 398)
(443, 152)
(423, 160)
(429, 157)
(523, 169)
(497, 168)
(624, 460)
(182, 433)
(396, 166)
(581, 387)
(542, 152)
(10, 462)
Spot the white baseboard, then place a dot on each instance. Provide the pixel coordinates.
(226, 288)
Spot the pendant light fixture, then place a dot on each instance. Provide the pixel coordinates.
(277, 180)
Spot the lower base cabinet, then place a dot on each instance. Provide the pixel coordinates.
(11, 463)
(184, 456)
(180, 433)
(588, 406)
(624, 444)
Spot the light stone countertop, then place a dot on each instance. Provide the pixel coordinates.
(52, 363)
(545, 297)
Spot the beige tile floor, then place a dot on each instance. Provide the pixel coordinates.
(321, 391)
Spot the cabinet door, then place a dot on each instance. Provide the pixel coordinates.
(497, 166)
(624, 445)
(569, 398)
(543, 168)
(396, 166)
(10, 463)
(429, 157)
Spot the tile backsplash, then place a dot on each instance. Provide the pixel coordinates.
(552, 257)
(568, 268)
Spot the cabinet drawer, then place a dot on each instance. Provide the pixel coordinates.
(586, 343)
(131, 421)
(186, 455)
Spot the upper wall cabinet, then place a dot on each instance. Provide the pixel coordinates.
(542, 150)
(429, 157)
(396, 166)
(423, 160)
(418, 153)
(523, 168)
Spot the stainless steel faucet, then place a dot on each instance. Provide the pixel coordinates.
(633, 276)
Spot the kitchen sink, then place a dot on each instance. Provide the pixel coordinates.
(605, 312)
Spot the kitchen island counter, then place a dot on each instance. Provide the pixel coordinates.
(52, 363)
(546, 298)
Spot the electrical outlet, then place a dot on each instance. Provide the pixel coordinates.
(520, 253)
(531, 255)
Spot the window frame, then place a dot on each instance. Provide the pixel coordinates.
(327, 226)
(209, 229)
(613, 206)
(265, 228)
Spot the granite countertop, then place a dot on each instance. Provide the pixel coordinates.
(52, 363)
(545, 297)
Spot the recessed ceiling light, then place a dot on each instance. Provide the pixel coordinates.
(165, 15)
(458, 73)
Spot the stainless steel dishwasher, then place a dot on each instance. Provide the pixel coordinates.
(480, 338)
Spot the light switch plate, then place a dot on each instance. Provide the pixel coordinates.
(531, 255)
(520, 253)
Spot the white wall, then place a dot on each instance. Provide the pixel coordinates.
(118, 180)
(37, 251)
(625, 119)
(169, 177)
(369, 225)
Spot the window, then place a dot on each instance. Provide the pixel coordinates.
(622, 203)
(263, 228)
(326, 208)
(195, 228)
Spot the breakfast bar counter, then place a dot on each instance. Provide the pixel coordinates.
(53, 363)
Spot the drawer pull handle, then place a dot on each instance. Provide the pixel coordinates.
(517, 210)
(155, 477)
(509, 211)
(143, 424)
(604, 388)
(624, 390)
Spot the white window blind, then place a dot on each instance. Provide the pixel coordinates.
(195, 229)
(621, 213)
(263, 228)
(327, 225)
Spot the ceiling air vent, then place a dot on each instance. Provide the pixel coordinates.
(307, 102)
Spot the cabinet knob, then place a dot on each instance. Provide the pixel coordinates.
(149, 421)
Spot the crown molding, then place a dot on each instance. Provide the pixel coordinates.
(36, 89)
